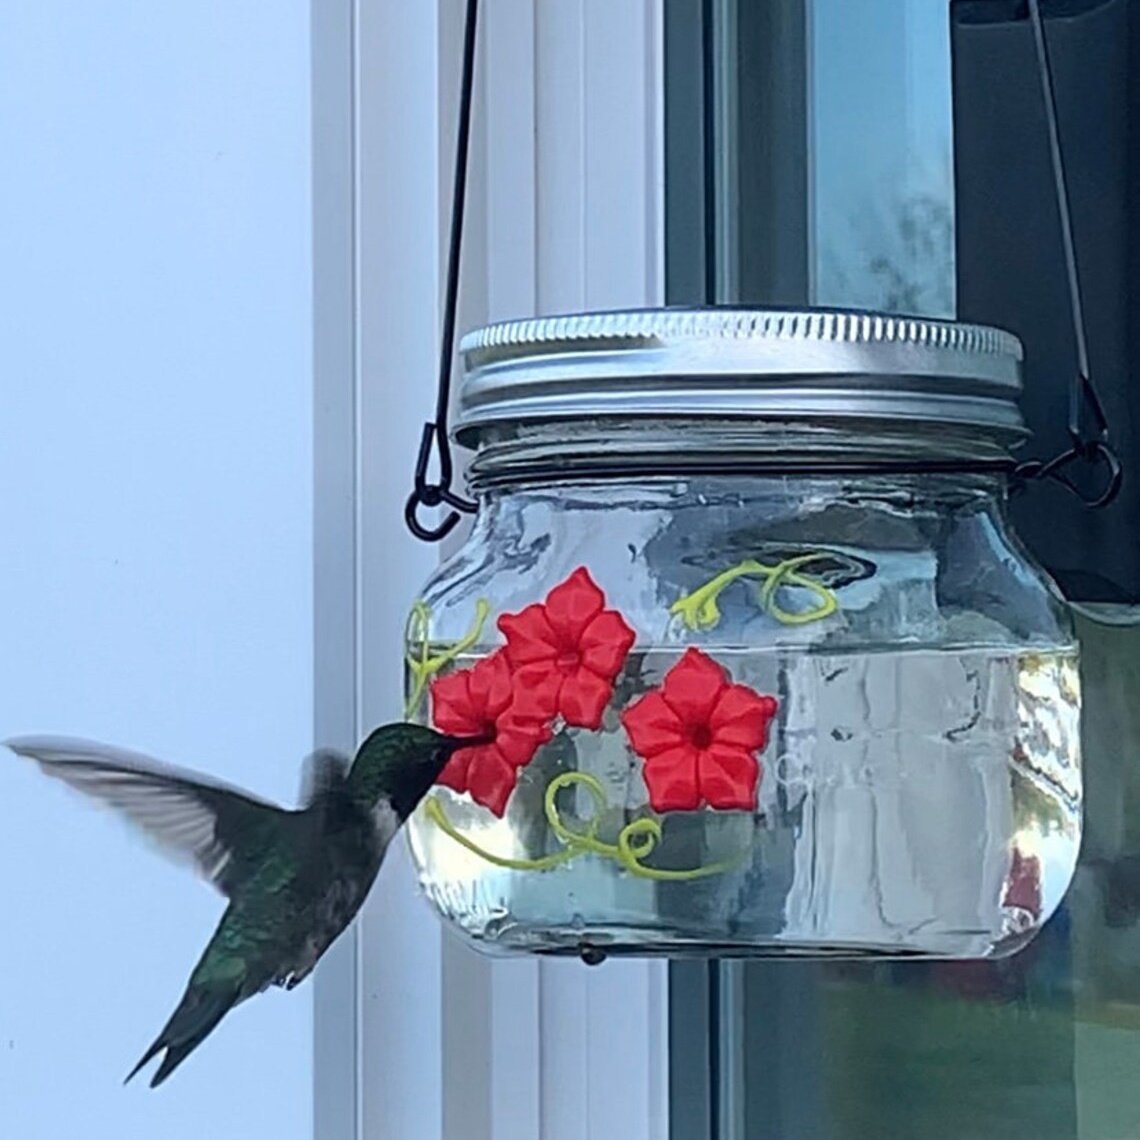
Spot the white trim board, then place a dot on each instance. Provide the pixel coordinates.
(333, 31)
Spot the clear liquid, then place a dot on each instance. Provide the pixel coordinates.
(923, 802)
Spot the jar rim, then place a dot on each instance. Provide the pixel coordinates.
(601, 451)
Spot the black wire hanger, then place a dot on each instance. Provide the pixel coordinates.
(426, 493)
(1088, 424)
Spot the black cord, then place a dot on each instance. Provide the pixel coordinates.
(425, 493)
(1088, 442)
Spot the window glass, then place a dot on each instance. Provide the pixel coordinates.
(842, 192)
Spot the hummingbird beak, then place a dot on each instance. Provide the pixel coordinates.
(455, 743)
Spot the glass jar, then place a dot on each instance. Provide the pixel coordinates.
(762, 668)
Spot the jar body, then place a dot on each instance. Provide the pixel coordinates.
(903, 677)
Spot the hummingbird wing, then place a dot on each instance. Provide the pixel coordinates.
(222, 831)
(324, 771)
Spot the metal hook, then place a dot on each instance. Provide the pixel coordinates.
(1096, 452)
(426, 533)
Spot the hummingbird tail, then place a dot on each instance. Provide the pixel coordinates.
(199, 1012)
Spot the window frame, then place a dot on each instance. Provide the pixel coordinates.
(566, 211)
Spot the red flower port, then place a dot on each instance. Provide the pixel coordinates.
(699, 735)
(485, 701)
(568, 649)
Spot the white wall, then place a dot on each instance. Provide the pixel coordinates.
(155, 528)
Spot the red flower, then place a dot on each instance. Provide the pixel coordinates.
(481, 701)
(569, 649)
(699, 735)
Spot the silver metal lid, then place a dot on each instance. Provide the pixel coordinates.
(767, 365)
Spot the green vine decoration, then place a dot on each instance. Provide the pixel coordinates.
(699, 610)
(426, 666)
(635, 842)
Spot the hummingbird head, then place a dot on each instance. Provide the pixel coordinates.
(400, 762)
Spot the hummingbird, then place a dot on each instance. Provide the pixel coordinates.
(294, 878)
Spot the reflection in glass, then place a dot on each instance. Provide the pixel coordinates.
(882, 188)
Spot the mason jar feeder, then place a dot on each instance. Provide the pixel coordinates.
(762, 668)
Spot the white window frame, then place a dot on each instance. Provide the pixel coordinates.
(418, 1037)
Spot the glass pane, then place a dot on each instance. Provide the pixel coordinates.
(809, 154)
(841, 192)
(882, 192)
